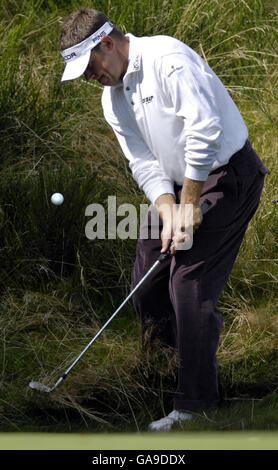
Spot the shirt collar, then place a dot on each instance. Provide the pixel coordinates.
(134, 57)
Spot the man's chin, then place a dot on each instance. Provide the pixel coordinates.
(106, 81)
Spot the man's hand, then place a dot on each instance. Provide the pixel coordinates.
(180, 221)
(188, 218)
(189, 214)
(165, 205)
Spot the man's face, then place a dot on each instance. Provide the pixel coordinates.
(104, 66)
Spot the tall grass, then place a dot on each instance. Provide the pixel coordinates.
(57, 287)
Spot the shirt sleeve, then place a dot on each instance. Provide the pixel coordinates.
(193, 90)
(144, 166)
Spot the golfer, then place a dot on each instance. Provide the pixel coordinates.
(186, 143)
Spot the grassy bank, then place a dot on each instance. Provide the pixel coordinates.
(57, 287)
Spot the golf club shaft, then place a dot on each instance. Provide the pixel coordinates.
(204, 208)
(161, 258)
(108, 321)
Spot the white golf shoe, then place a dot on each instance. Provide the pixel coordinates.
(165, 424)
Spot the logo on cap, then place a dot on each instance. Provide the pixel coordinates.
(70, 56)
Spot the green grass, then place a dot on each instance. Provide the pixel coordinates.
(57, 287)
(175, 441)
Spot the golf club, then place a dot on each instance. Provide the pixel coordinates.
(43, 388)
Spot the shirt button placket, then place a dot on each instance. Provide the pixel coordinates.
(127, 88)
(128, 93)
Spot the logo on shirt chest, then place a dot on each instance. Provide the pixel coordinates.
(147, 100)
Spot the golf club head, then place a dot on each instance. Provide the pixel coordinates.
(40, 387)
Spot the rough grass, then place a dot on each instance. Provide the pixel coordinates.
(58, 288)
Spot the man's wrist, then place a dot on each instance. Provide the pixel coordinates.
(165, 204)
(191, 192)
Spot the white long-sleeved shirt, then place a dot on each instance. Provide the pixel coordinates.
(172, 115)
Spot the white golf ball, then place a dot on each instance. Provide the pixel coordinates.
(57, 199)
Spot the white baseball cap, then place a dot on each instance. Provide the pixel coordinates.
(77, 57)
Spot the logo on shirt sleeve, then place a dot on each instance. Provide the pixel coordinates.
(174, 69)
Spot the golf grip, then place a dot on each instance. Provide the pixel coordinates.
(204, 208)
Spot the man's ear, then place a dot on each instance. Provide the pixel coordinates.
(107, 43)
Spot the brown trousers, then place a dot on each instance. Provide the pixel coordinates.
(179, 300)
